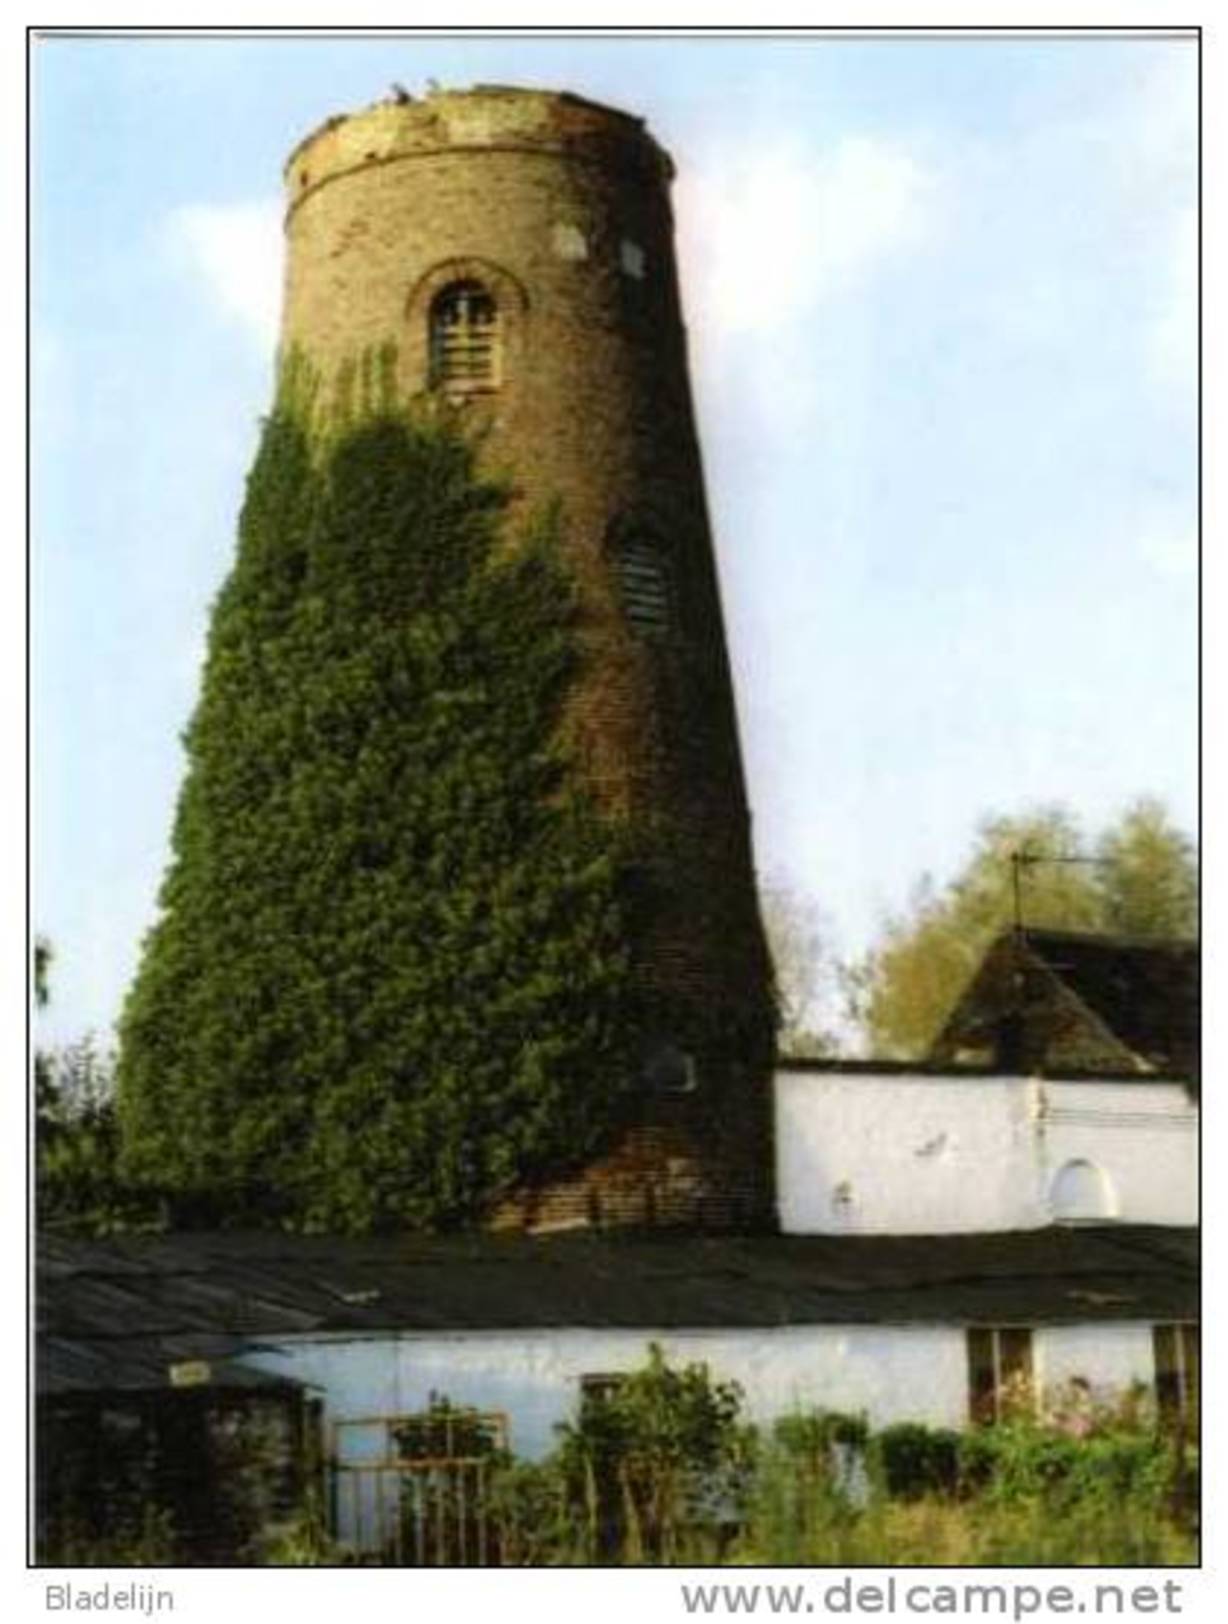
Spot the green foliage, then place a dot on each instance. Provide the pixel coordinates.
(536, 1524)
(390, 977)
(814, 1434)
(628, 1485)
(1149, 878)
(175, 1477)
(77, 1141)
(149, 1543)
(660, 1468)
(809, 1476)
(446, 1431)
(1014, 1494)
(42, 972)
(916, 1460)
(658, 1462)
(302, 1541)
(1145, 884)
(78, 1183)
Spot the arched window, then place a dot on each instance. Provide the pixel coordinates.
(1081, 1190)
(466, 351)
(644, 582)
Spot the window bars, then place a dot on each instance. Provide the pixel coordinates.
(466, 351)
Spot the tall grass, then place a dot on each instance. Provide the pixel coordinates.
(1120, 1502)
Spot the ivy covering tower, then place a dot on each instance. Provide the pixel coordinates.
(462, 919)
(391, 976)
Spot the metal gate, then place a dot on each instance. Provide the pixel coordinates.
(412, 1490)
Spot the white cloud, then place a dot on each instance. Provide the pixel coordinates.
(237, 250)
(765, 235)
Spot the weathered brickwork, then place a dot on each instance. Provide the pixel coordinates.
(560, 210)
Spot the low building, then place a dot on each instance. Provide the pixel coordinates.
(372, 1333)
(951, 1232)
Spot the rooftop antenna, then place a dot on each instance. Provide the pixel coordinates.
(1012, 1036)
(1022, 858)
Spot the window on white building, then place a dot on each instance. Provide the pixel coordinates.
(1000, 1377)
(600, 1386)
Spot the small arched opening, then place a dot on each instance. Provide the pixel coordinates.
(1081, 1192)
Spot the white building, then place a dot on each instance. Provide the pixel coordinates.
(864, 1149)
(943, 1231)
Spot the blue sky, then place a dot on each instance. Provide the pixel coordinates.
(941, 300)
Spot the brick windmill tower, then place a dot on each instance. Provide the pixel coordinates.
(516, 247)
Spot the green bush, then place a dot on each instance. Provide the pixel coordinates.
(915, 1460)
(79, 1185)
(535, 1522)
(660, 1468)
(1014, 1494)
(659, 1465)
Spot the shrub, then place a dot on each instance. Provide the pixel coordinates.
(535, 1522)
(914, 1460)
(660, 1464)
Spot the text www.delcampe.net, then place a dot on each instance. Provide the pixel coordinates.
(893, 1596)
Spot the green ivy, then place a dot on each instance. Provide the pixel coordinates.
(390, 979)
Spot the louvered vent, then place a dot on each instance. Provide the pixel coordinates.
(465, 347)
(645, 586)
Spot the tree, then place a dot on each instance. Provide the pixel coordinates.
(390, 976)
(1149, 875)
(77, 1181)
(802, 967)
(77, 1138)
(1143, 881)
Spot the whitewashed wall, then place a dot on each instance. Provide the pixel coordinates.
(917, 1154)
(891, 1372)
(1111, 1359)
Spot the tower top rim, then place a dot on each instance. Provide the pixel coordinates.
(481, 116)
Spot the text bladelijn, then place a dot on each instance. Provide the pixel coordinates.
(109, 1598)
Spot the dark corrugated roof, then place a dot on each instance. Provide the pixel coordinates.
(155, 1295)
(129, 1364)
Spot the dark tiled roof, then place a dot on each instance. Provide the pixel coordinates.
(1067, 1003)
(206, 1296)
(1145, 992)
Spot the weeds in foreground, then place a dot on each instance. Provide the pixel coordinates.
(660, 1469)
